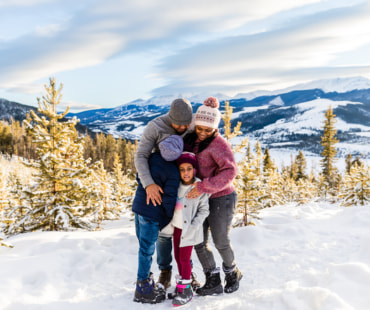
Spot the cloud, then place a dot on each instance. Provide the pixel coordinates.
(76, 106)
(88, 33)
(306, 47)
(205, 45)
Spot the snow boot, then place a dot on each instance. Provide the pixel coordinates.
(164, 280)
(213, 284)
(232, 279)
(174, 293)
(184, 293)
(146, 292)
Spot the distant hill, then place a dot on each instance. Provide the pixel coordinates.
(289, 119)
(13, 110)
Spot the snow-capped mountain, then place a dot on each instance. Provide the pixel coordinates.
(291, 118)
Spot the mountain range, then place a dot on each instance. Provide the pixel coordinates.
(289, 119)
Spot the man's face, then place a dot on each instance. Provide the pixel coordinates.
(180, 129)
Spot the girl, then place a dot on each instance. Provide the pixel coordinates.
(187, 222)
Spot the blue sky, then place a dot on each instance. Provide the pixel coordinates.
(107, 53)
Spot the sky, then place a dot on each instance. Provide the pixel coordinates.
(108, 53)
(307, 257)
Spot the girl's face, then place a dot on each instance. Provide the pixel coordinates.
(203, 132)
(186, 173)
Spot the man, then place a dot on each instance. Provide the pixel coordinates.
(175, 122)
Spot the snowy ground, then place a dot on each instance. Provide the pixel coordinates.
(296, 258)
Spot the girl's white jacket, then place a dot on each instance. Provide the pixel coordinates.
(194, 212)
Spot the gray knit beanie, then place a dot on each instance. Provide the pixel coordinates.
(181, 112)
(171, 147)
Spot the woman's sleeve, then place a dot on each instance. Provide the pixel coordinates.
(226, 170)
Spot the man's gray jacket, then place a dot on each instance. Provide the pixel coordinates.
(156, 131)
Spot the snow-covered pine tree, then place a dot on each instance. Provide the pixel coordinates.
(123, 186)
(300, 163)
(117, 182)
(305, 191)
(3, 191)
(15, 210)
(356, 186)
(330, 175)
(58, 198)
(267, 162)
(226, 117)
(348, 161)
(249, 185)
(271, 185)
(104, 208)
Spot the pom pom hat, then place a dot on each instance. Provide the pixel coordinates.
(171, 148)
(208, 114)
(187, 157)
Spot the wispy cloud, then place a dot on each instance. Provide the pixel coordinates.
(217, 45)
(305, 49)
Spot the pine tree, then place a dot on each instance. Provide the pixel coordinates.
(356, 187)
(328, 141)
(58, 199)
(16, 209)
(248, 184)
(258, 158)
(348, 163)
(100, 187)
(3, 191)
(300, 163)
(226, 117)
(271, 186)
(267, 162)
(123, 186)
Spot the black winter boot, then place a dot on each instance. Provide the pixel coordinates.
(194, 282)
(232, 280)
(213, 284)
(164, 280)
(146, 292)
(184, 293)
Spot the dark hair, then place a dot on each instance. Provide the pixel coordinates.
(190, 138)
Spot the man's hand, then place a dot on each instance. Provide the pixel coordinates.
(153, 193)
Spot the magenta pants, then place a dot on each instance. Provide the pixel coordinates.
(182, 255)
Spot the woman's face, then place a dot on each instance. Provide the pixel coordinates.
(203, 132)
(186, 173)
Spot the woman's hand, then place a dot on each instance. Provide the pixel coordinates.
(194, 193)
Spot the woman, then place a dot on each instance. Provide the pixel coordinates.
(217, 170)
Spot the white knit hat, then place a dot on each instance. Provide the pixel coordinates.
(208, 114)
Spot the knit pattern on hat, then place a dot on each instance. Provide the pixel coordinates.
(208, 114)
(171, 147)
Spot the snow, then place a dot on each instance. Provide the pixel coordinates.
(310, 257)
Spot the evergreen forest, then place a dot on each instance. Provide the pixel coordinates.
(53, 178)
